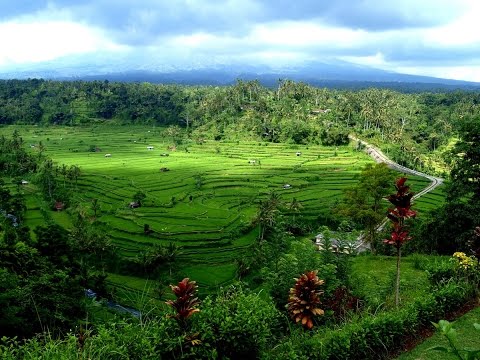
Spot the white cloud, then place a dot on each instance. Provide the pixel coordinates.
(463, 31)
(467, 73)
(301, 34)
(243, 30)
(28, 42)
(377, 60)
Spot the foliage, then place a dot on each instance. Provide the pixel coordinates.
(301, 257)
(43, 279)
(374, 336)
(14, 159)
(42, 282)
(268, 215)
(440, 271)
(451, 227)
(447, 330)
(304, 299)
(468, 268)
(334, 136)
(157, 257)
(293, 112)
(363, 202)
(237, 324)
(465, 174)
(402, 211)
(464, 263)
(474, 244)
(186, 303)
(138, 197)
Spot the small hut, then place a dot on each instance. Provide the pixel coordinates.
(134, 205)
(59, 206)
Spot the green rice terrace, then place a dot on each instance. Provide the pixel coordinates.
(201, 196)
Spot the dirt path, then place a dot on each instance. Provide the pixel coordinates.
(380, 157)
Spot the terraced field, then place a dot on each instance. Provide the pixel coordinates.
(206, 200)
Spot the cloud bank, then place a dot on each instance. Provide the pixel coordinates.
(435, 38)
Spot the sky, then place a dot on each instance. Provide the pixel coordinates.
(438, 38)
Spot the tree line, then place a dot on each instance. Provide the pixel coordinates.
(295, 112)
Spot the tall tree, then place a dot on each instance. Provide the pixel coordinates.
(451, 226)
(267, 215)
(364, 203)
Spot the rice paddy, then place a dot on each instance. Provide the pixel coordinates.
(201, 196)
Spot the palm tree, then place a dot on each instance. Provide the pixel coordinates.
(267, 214)
(95, 207)
(74, 173)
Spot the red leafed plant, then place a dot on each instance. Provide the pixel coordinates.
(341, 302)
(402, 200)
(186, 303)
(304, 299)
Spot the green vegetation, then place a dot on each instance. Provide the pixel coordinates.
(467, 337)
(414, 129)
(126, 189)
(212, 225)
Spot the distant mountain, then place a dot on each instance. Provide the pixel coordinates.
(337, 75)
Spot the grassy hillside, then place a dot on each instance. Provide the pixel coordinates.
(207, 199)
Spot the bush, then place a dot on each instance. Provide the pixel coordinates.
(452, 295)
(377, 336)
(237, 324)
(440, 272)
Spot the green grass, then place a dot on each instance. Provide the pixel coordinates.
(204, 219)
(374, 278)
(468, 337)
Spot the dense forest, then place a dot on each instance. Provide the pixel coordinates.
(410, 126)
(44, 271)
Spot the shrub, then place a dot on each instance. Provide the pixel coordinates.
(452, 295)
(304, 300)
(186, 303)
(377, 336)
(237, 324)
(440, 271)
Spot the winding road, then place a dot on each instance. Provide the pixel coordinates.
(380, 157)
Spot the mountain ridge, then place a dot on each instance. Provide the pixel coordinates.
(338, 75)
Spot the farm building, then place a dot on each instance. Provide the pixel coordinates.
(134, 205)
(287, 186)
(334, 244)
(108, 155)
(59, 206)
(149, 147)
(24, 182)
(298, 153)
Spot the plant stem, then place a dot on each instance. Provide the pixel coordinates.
(397, 285)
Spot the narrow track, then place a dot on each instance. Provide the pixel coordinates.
(380, 157)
